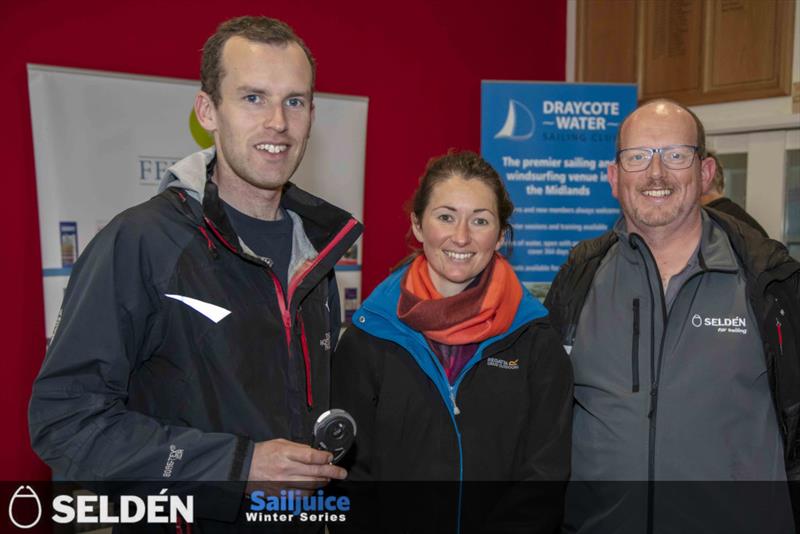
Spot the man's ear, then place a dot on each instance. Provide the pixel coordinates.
(708, 168)
(205, 111)
(613, 179)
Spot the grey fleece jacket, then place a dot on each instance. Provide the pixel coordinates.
(669, 390)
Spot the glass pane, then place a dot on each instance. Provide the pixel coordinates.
(792, 221)
(735, 170)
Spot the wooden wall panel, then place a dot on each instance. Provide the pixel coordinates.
(673, 48)
(743, 42)
(606, 33)
(694, 51)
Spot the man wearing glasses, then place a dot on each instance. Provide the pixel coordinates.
(682, 328)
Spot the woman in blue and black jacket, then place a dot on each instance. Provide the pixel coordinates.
(453, 373)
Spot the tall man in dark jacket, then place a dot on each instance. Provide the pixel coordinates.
(682, 325)
(195, 335)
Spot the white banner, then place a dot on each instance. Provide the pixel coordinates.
(102, 141)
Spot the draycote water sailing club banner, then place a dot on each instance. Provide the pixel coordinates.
(552, 143)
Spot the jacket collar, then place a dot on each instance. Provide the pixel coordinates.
(316, 223)
(715, 253)
(321, 220)
(378, 317)
(378, 313)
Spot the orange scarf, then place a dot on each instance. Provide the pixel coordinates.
(481, 311)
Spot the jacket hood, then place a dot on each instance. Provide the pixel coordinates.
(317, 225)
(189, 173)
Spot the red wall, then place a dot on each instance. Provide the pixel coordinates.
(420, 63)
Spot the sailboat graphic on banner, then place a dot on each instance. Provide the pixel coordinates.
(519, 124)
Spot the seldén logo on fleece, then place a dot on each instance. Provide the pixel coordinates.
(724, 325)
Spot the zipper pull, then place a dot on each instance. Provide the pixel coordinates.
(456, 411)
(569, 339)
(780, 333)
(653, 393)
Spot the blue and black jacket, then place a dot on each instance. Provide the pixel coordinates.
(506, 418)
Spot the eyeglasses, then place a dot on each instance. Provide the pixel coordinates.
(673, 157)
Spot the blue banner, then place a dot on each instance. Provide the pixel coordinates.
(552, 144)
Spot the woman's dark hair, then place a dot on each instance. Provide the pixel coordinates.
(469, 166)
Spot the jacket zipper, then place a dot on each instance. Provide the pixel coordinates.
(777, 392)
(284, 302)
(456, 410)
(453, 392)
(635, 348)
(287, 326)
(306, 359)
(285, 316)
(654, 375)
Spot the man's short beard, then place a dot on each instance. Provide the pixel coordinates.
(656, 219)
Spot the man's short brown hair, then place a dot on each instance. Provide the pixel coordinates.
(259, 29)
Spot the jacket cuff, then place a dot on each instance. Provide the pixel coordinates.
(242, 458)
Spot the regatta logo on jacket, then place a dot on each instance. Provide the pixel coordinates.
(730, 325)
(503, 364)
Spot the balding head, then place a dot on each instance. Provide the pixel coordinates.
(663, 108)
